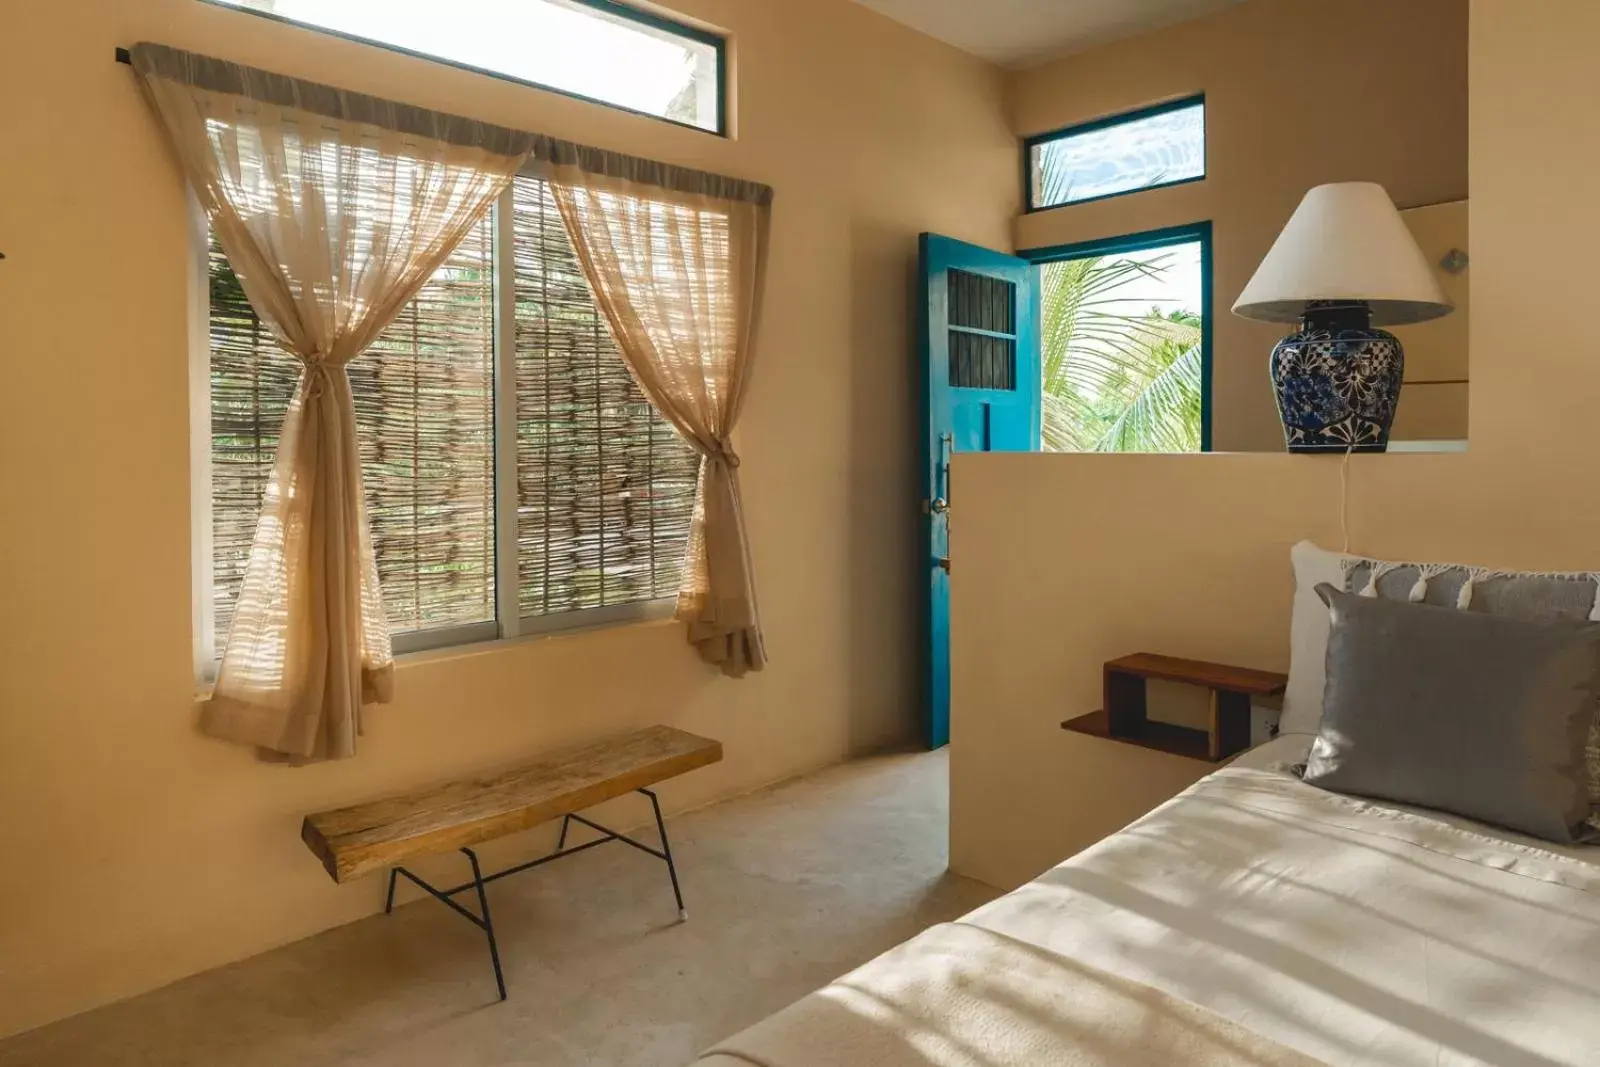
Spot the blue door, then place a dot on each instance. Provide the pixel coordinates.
(979, 352)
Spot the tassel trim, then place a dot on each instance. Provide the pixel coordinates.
(1419, 591)
(1475, 576)
(1378, 571)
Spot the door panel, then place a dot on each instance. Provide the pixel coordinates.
(979, 352)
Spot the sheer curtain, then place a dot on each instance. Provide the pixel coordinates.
(333, 209)
(677, 262)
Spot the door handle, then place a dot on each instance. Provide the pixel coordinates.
(941, 478)
(944, 563)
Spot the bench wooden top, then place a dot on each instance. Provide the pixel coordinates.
(383, 833)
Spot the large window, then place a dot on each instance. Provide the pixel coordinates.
(511, 486)
(595, 49)
(1146, 149)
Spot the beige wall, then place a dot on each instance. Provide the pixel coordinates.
(1433, 404)
(1298, 92)
(134, 850)
(1061, 562)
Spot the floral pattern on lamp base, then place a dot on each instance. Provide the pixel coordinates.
(1338, 389)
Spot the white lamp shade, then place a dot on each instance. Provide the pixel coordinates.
(1346, 241)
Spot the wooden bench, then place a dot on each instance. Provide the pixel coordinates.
(357, 840)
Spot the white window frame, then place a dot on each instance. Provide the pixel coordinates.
(509, 623)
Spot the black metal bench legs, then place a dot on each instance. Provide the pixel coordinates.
(482, 921)
(479, 880)
(666, 854)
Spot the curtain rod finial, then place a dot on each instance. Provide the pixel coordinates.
(124, 56)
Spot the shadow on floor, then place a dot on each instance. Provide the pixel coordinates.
(786, 888)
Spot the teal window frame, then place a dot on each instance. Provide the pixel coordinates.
(1122, 118)
(1145, 241)
(608, 7)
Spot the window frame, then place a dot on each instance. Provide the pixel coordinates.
(509, 623)
(648, 19)
(1121, 118)
(1149, 240)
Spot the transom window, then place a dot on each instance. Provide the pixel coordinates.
(599, 50)
(511, 487)
(1145, 149)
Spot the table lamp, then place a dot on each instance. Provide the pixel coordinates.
(1344, 264)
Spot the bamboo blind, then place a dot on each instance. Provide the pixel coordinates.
(424, 396)
(424, 411)
(252, 382)
(605, 486)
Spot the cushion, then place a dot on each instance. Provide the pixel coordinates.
(1308, 635)
(1573, 596)
(1474, 713)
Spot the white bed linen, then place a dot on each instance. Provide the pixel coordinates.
(1283, 753)
(1356, 932)
(957, 995)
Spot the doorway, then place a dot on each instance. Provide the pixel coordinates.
(1103, 346)
(1125, 342)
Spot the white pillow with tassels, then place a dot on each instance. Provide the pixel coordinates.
(1518, 594)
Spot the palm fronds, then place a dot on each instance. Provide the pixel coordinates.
(1165, 415)
(1115, 382)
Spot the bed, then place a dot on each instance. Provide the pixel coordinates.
(1252, 920)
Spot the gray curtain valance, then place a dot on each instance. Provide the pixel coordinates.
(222, 76)
(548, 151)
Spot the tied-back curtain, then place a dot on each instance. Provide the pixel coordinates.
(677, 262)
(333, 209)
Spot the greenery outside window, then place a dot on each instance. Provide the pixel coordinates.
(1145, 149)
(1125, 338)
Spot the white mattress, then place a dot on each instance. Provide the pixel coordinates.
(1354, 932)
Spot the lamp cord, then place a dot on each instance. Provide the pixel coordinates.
(1344, 499)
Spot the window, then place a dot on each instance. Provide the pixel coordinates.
(1125, 339)
(598, 50)
(603, 487)
(1146, 149)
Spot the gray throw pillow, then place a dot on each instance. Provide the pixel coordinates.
(1573, 595)
(1481, 715)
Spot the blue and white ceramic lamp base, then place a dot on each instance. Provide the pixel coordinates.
(1338, 382)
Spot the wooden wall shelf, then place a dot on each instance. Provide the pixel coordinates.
(1124, 717)
(1160, 736)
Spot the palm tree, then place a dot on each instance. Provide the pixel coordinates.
(1115, 382)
